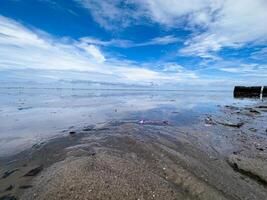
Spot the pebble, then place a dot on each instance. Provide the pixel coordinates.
(72, 132)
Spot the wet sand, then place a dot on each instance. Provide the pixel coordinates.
(224, 156)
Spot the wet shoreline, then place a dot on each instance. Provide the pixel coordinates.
(181, 161)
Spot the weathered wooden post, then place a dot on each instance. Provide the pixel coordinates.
(242, 91)
(264, 91)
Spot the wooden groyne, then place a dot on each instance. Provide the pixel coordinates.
(254, 91)
(264, 91)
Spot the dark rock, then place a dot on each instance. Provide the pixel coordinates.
(88, 128)
(8, 173)
(102, 129)
(25, 186)
(38, 145)
(252, 110)
(34, 171)
(24, 108)
(235, 152)
(253, 129)
(8, 197)
(72, 132)
(209, 121)
(237, 125)
(9, 188)
(262, 107)
(92, 153)
(232, 107)
(260, 148)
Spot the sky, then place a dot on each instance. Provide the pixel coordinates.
(146, 43)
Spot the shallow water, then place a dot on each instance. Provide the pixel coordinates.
(29, 116)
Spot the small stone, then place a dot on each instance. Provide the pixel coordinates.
(72, 133)
(253, 129)
(260, 148)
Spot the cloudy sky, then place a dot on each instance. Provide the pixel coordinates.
(176, 43)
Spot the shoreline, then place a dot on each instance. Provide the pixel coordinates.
(182, 162)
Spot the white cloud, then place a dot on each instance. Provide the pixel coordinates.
(173, 67)
(172, 12)
(94, 51)
(237, 24)
(260, 54)
(23, 48)
(164, 40)
(226, 23)
(252, 69)
(113, 42)
(111, 13)
(223, 23)
(243, 68)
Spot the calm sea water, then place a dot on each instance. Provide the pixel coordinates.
(29, 116)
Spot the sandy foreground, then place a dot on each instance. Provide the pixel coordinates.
(222, 157)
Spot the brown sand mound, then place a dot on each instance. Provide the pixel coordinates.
(101, 176)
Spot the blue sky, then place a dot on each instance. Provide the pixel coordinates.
(165, 43)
